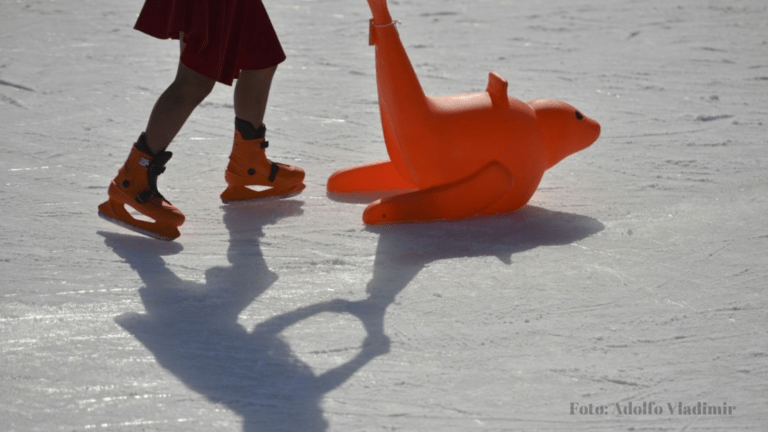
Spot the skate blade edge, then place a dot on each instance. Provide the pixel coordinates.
(266, 197)
(134, 228)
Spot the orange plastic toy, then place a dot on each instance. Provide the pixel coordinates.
(456, 156)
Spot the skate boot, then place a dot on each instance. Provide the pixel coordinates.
(249, 166)
(136, 186)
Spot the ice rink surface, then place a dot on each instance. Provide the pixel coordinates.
(635, 278)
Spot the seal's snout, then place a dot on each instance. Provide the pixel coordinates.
(589, 127)
(598, 129)
(593, 130)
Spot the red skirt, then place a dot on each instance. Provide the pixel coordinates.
(222, 36)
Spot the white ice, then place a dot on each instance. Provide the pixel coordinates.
(636, 274)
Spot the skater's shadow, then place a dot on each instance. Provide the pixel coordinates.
(405, 249)
(192, 328)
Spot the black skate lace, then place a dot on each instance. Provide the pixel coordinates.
(155, 167)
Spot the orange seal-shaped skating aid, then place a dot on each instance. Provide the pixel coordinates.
(461, 155)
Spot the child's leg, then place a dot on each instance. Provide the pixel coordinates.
(251, 94)
(175, 105)
(248, 163)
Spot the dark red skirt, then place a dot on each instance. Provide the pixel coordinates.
(222, 36)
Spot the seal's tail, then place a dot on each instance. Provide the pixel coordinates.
(380, 12)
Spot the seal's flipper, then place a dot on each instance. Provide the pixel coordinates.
(497, 89)
(370, 177)
(462, 199)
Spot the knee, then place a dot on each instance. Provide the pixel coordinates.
(192, 91)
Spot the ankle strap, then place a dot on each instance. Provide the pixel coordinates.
(248, 131)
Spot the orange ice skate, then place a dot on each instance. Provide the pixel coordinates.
(136, 186)
(249, 166)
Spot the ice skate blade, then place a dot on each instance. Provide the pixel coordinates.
(122, 218)
(136, 229)
(241, 194)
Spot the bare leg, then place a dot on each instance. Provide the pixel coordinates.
(175, 105)
(251, 94)
(248, 163)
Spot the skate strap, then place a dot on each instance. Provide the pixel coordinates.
(273, 172)
(248, 131)
(155, 167)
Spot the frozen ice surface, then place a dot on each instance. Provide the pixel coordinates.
(637, 274)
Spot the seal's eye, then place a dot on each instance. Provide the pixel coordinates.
(579, 115)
